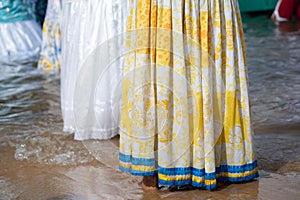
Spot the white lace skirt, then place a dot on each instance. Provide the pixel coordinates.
(20, 42)
(91, 67)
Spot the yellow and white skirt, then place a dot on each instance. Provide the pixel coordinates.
(185, 105)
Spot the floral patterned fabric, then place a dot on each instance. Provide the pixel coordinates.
(50, 57)
(185, 106)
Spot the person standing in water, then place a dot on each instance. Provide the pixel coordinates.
(88, 106)
(185, 115)
(20, 35)
(285, 9)
(50, 57)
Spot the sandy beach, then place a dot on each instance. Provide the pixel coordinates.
(278, 158)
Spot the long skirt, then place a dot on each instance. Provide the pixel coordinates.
(185, 111)
(50, 58)
(20, 35)
(89, 84)
(20, 42)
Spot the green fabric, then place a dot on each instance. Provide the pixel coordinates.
(15, 10)
(257, 5)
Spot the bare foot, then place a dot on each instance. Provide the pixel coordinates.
(273, 18)
(148, 188)
(149, 183)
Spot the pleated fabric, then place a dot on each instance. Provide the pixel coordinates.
(50, 57)
(20, 35)
(185, 106)
(87, 95)
(20, 42)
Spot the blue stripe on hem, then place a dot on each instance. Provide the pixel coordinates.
(208, 187)
(190, 182)
(136, 173)
(208, 176)
(202, 185)
(189, 171)
(174, 183)
(175, 171)
(136, 161)
(238, 179)
(237, 169)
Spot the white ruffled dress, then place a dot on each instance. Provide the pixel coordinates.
(91, 68)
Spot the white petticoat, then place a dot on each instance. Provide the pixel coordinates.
(20, 42)
(91, 69)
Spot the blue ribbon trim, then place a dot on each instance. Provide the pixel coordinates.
(137, 173)
(137, 161)
(203, 185)
(238, 179)
(175, 183)
(237, 169)
(208, 176)
(185, 171)
(208, 187)
(189, 171)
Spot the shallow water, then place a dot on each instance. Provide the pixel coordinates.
(273, 54)
(34, 149)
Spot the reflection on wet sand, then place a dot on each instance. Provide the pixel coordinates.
(286, 28)
(96, 180)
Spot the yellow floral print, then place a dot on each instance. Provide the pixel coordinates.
(185, 105)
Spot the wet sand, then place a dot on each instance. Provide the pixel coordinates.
(278, 156)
